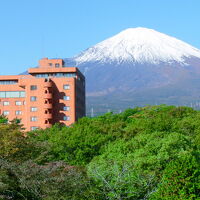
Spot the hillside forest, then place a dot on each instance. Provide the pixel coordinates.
(145, 153)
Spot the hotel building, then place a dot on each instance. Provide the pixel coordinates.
(50, 93)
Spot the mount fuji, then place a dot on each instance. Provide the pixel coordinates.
(139, 66)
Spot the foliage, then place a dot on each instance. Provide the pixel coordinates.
(78, 144)
(142, 153)
(3, 119)
(54, 180)
(181, 180)
(118, 179)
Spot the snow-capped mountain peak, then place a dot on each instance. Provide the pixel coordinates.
(139, 45)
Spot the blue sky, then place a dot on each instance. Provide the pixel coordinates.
(32, 29)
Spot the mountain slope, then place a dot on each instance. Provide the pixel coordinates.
(137, 62)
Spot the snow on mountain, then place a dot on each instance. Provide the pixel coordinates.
(139, 45)
(139, 66)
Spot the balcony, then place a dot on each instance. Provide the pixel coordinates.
(47, 95)
(48, 125)
(48, 105)
(48, 116)
(48, 84)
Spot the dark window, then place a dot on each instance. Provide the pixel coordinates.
(66, 118)
(10, 82)
(33, 87)
(50, 64)
(55, 75)
(57, 65)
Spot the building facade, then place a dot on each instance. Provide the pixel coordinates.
(48, 94)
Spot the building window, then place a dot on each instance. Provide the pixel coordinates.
(18, 112)
(66, 108)
(33, 128)
(42, 75)
(50, 64)
(66, 87)
(33, 87)
(12, 94)
(6, 112)
(33, 119)
(69, 74)
(57, 65)
(59, 74)
(33, 98)
(6, 103)
(18, 103)
(10, 82)
(55, 75)
(33, 109)
(66, 98)
(66, 118)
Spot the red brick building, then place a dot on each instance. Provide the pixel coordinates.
(49, 94)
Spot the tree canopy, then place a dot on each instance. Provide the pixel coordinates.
(151, 153)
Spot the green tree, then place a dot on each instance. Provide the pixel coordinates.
(181, 180)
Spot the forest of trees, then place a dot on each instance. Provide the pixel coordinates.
(149, 153)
